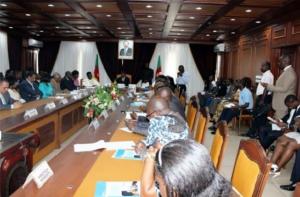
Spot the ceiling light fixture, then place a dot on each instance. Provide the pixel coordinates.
(119, 28)
(149, 16)
(257, 22)
(88, 27)
(10, 27)
(99, 6)
(108, 15)
(233, 19)
(248, 11)
(191, 17)
(215, 31)
(42, 31)
(150, 33)
(178, 34)
(27, 14)
(94, 31)
(198, 8)
(122, 32)
(150, 29)
(232, 32)
(50, 5)
(182, 30)
(207, 35)
(148, 6)
(3, 5)
(67, 14)
(57, 27)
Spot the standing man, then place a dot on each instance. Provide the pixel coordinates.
(284, 86)
(182, 80)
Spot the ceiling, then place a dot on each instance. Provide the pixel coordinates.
(182, 20)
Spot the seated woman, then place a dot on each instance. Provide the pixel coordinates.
(45, 86)
(182, 168)
(286, 146)
(13, 89)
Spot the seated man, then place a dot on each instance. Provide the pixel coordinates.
(6, 102)
(245, 102)
(123, 79)
(90, 81)
(295, 176)
(165, 125)
(29, 90)
(269, 133)
(174, 103)
(67, 82)
(285, 148)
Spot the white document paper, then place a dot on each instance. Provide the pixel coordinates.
(229, 105)
(126, 129)
(137, 113)
(119, 145)
(89, 147)
(275, 127)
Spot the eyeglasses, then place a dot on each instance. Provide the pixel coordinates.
(149, 115)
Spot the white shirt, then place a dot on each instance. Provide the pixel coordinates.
(90, 82)
(268, 78)
(182, 80)
(14, 94)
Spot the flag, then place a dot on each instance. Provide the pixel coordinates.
(96, 69)
(158, 67)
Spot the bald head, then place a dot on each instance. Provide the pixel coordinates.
(157, 106)
(285, 60)
(164, 92)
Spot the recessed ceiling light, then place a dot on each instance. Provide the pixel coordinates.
(248, 11)
(150, 33)
(50, 5)
(207, 35)
(10, 27)
(37, 34)
(198, 8)
(191, 17)
(182, 30)
(3, 5)
(99, 6)
(232, 19)
(88, 27)
(232, 32)
(108, 15)
(178, 34)
(148, 6)
(215, 31)
(149, 16)
(67, 14)
(150, 29)
(42, 31)
(27, 14)
(119, 28)
(122, 32)
(175, 39)
(94, 31)
(57, 27)
(257, 22)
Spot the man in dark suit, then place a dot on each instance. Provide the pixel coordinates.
(29, 90)
(295, 176)
(67, 82)
(126, 51)
(6, 102)
(123, 79)
(268, 134)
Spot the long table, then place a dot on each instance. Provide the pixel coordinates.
(69, 167)
(52, 126)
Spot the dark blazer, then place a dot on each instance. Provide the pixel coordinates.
(286, 117)
(124, 80)
(147, 75)
(8, 99)
(68, 84)
(128, 52)
(28, 92)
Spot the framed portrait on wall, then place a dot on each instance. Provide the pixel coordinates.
(125, 49)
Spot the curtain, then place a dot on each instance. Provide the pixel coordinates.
(80, 56)
(4, 62)
(15, 51)
(47, 56)
(172, 55)
(109, 55)
(205, 59)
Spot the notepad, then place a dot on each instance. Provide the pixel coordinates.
(126, 154)
(89, 146)
(117, 189)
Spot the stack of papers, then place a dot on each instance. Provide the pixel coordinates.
(103, 145)
(117, 189)
(137, 113)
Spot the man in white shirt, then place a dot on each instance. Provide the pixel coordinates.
(90, 81)
(267, 77)
(182, 80)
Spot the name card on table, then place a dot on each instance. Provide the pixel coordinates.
(40, 175)
(64, 101)
(95, 123)
(50, 106)
(105, 114)
(76, 97)
(130, 95)
(30, 113)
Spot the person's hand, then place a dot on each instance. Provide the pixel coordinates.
(151, 153)
(133, 115)
(282, 124)
(139, 147)
(264, 84)
(17, 105)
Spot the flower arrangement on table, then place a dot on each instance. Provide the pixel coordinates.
(101, 100)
